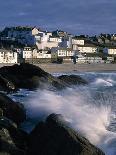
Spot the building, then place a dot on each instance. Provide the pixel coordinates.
(7, 56)
(77, 41)
(110, 50)
(41, 54)
(88, 48)
(45, 40)
(27, 53)
(36, 56)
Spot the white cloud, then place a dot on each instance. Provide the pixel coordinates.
(22, 13)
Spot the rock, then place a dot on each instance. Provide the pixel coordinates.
(12, 140)
(29, 76)
(55, 137)
(6, 85)
(72, 79)
(12, 110)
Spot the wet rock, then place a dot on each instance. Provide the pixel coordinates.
(6, 85)
(12, 110)
(72, 79)
(29, 76)
(12, 140)
(55, 137)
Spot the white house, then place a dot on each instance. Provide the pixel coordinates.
(110, 50)
(45, 40)
(62, 52)
(41, 54)
(77, 41)
(55, 39)
(8, 56)
(88, 48)
(27, 53)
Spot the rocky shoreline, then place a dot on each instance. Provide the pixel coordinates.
(54, 136)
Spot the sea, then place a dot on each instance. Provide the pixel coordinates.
(89, 109)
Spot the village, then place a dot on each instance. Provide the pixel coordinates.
(33, 45)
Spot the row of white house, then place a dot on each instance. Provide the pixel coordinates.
(62, 52)
(28, 53)
(8, 56)
(46, 40)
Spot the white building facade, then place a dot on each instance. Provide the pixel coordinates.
(8, 56)
(87, 49)
(110, 50)
(27, 53)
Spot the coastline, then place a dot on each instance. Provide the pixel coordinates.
(70, 67)
(53, 68)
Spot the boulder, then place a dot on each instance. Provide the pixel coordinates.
(6, 85)
(12, 140)
(55, 137)
(29, 76)
(12, 110)
(72, 79)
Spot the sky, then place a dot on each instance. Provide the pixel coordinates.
(74, 16)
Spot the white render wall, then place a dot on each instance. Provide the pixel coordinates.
(8, 57)
(61, 53)
(27, 53)
(70, 53)
(55, 39)
(112, 51)
(78, 42)
(43, 45)
(84, 49)
(35, 31)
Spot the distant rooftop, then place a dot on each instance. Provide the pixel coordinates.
(21, 28)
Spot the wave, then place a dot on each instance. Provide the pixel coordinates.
(104, 82)
(82, 112)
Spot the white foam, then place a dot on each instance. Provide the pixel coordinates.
(102, 82)
(91, 120)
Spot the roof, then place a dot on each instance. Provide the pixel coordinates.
(55, 37)
(78, 38)
(21, 28)
(87, 45)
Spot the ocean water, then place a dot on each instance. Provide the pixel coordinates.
(90, 109)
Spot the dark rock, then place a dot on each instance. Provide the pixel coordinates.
(6, 85)
(12, 140)
(30, 77)
(54, 137)
(72, 79)
(12, 110)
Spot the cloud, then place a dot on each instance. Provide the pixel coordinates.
(22, 13)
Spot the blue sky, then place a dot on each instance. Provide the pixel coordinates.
(74, 16)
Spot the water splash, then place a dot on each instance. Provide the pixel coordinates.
(104, 82)
(80, 110)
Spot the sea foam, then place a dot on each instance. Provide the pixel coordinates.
(80, 110)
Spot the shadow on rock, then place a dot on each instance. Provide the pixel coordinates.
(55, 137)
(12, 110)
(12, 139)
(29, 76)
